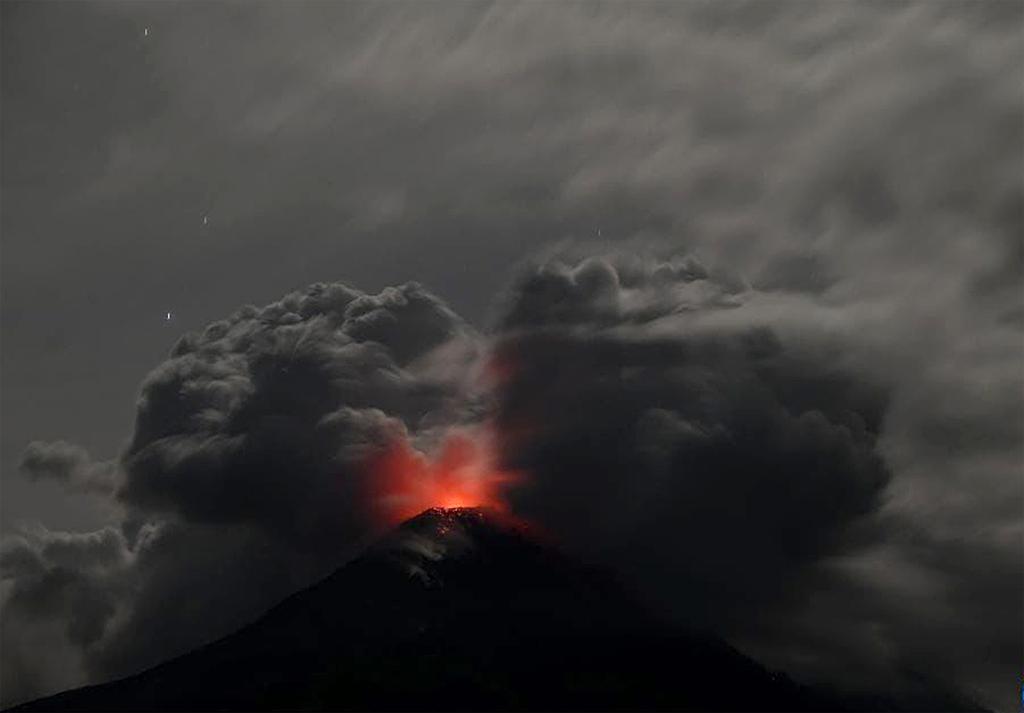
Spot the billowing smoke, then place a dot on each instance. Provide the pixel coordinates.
(402, 482)
(722, 447)
(70, 465)
(716, 444)
(265, 418)
(245, 479)
(789, 411)
(672, 429)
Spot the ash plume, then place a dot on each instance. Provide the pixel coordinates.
(762, 356)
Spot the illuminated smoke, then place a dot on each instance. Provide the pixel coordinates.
(404, 482)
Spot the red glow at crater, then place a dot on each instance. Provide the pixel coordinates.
(404, 482)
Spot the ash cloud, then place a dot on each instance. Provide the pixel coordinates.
(241, 483)
(59, 591)
(740, 453)
(823, 344)
(70, 465)
(737, 453)
(264, 418)
(673, 431)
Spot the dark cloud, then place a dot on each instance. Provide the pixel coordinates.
(60, 592)
(717, 460)
(264, 418)
(69, 464)
(746, 463)
(725, 448)
(192, 583)
(243, 481)
(848, 175)
(596, 292)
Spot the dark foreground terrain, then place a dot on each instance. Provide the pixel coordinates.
(459, 609)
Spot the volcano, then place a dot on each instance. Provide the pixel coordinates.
(458, 609)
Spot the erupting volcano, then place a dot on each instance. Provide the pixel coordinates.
(403, 482)
(460, 609)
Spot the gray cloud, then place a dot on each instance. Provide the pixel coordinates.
(854, 166)
(243, 481)
(671, 419)
(745, 455)
(713, 460)
(69, 464)
(60, 592)
(265, 417)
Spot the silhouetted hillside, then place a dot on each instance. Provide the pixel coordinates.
(457, 609)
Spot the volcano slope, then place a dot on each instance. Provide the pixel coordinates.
(460, 609)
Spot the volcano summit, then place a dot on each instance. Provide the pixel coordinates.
(462, 609)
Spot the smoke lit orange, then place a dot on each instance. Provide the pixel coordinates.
(404, 482)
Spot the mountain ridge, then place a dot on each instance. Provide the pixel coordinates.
(458, 609)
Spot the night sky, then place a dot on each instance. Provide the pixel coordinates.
(727, 296)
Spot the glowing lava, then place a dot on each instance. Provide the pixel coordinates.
(404, 482)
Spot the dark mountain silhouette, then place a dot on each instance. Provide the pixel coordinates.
(455, 610)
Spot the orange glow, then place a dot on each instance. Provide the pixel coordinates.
(499, 368)
(404, 482)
